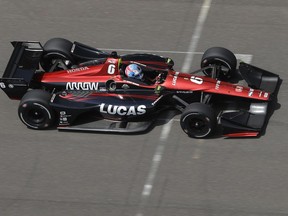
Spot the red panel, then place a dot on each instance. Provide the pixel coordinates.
(243, 134)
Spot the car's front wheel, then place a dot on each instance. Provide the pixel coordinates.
(222, 60)
(34, 110)
(198, 120)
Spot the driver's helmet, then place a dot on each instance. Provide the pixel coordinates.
(134, 71)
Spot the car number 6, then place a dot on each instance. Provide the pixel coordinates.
(196, 80)
(111, 69)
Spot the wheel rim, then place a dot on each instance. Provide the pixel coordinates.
(221, 65)
(36, 116)
(197, 125)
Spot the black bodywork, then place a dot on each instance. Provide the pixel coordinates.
(127, 105)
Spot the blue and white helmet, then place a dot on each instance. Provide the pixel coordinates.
(134, 71)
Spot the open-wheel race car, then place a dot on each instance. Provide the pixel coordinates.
(77, 87)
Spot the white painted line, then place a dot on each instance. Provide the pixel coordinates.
(193, 46)
(196, 35)
(155, 51)
(147, 190)
(243, 57)
(146, 51)
(191, 52)
(196, 154)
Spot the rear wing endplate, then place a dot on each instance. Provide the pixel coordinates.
(21, 68)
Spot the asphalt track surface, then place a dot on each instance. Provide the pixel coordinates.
(162, 172)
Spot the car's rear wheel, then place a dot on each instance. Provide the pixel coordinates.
(57, 55)
(34, 110)
(198, 120)
(222, 59)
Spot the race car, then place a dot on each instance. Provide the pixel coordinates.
(76, 87)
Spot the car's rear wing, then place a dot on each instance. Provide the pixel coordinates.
(21, 68)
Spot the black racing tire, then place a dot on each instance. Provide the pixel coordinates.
(57, 49)
(221, 57)
(34, 110)
(198, 120)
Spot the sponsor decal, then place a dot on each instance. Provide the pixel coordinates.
(175, 77)
(184, 92)
(251, 91)
(77, 69)
(102, 89)
(239, 89)
(88, 86)
(122, 110)
(63, 119)
(2, 85)
(260, 93)
(197, 80)
(217, 86)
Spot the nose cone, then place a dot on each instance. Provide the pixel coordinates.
(187, 82)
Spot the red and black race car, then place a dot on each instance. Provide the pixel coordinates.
(77, 87)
